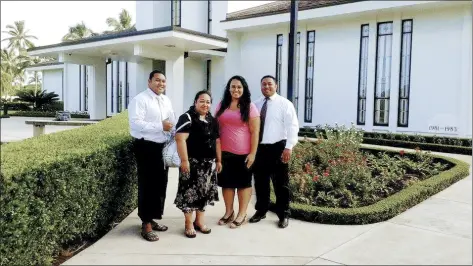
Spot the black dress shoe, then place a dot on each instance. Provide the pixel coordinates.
(283, 223)
(257, 217)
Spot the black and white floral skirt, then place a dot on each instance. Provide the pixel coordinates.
(198, 188)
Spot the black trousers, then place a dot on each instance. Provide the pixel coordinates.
(268, 166)
(152, 179)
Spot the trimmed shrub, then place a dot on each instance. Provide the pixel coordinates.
(429, 143)
(63, 187)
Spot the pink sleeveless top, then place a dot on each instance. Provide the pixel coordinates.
(235, 136)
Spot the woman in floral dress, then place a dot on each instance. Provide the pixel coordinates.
(198, 145)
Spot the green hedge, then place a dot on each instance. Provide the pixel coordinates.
(59, 188)
(422, 146)
(384, 209)
(43, 114)
(408, 141)
(417, 138)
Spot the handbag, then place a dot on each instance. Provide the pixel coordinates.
(170, 154)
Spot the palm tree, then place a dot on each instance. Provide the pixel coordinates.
(13, 69)
(123, 22)
(77, 32)
(19, 38)
(37, 98)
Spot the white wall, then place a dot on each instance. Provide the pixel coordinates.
(194, 80)
(152, 14)
(436, 75)
(218, 81)
(219, 13)
(194, 15)
(52, 82)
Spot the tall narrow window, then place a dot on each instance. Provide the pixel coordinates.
(209, 76)
(86, 91)
(119, 89)
(363, 74)
(279, 41)
(127, 88)
(405, 73)
(295, 96)
(309, 83)
(176, 12)
(111, 86)
(383, 74)
(209, 16)
(80, 87)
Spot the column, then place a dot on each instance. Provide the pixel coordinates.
(97, 92)
(138, 76)
(175, 83)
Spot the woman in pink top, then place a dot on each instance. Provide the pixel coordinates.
(239, 123)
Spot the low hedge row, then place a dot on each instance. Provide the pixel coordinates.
(44, 114)
(59, 188)
(442, 140)
(422, 146)
(384, 209)
(406, 144)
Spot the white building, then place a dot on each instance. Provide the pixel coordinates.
(388, 66)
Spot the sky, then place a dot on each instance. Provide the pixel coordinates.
(49, 21)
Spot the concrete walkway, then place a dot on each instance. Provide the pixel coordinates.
(436, 231)
(15, 129)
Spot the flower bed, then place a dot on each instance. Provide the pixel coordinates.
(333, 180)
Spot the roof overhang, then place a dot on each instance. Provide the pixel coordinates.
(343, 11)
(131, 46)
(46, 66)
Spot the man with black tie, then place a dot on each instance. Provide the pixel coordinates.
(278, 135)
(151, 119)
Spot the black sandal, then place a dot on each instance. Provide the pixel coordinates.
(238, 224)
(224, 220)
(188, 233)
(158, 227)
(201, 229)
(150, 236)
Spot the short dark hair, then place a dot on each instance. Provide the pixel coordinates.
(197, 95)
(269, 76)
(151, 75)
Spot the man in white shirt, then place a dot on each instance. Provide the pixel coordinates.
(151, 119)
(278, 135)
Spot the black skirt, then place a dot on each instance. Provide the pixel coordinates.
(234, 173)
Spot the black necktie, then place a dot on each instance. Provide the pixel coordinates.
(263, 117)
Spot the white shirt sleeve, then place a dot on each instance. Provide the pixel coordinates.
(136, 114)
(292, 124)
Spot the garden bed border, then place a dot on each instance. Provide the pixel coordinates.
(386, 208)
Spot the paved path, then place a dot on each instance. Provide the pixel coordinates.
(436, 231)
(15, 129)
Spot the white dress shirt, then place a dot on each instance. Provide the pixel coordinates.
(146, 113)
(281, 121)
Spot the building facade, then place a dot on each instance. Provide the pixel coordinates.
(387, 66)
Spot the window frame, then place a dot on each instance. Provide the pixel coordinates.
(388, 98)
(279, 48)
(309, 92)
(179, 6)
(407, 97)
(362, 75)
